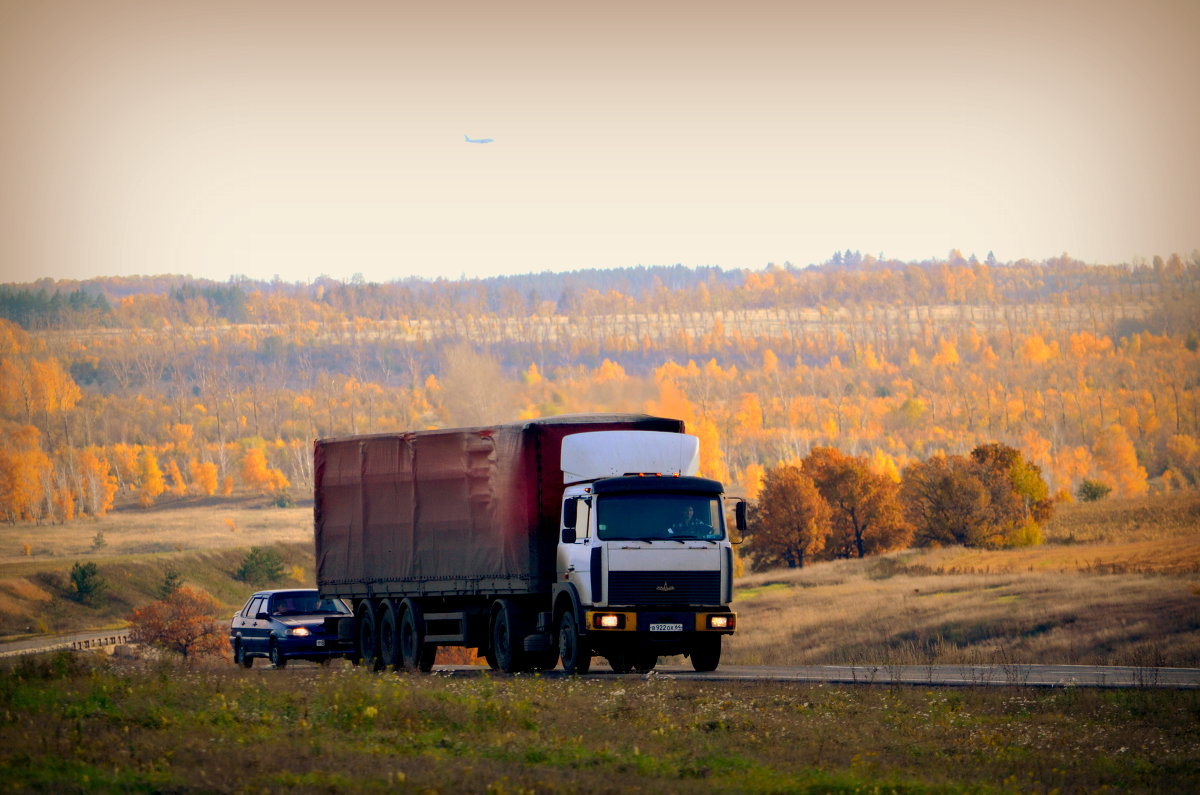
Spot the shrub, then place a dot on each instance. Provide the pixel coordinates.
(1092, 490)
(87, 586)
(98, 542)
(262, 566)
(185, 623)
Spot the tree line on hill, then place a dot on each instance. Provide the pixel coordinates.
(193, 388)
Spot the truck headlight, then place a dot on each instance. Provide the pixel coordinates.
(299, 632)
(610, 621)
(720, 622)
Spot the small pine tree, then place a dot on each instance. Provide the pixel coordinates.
(87, 586)
(261, 566)
(1092, 490)
(172, 579)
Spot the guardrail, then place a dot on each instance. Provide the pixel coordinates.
(81, 644)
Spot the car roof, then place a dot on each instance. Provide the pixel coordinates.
(284, 590)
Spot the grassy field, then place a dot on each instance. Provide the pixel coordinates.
(1117, 582)
(83, 723)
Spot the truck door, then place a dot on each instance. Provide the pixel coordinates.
(575, 554)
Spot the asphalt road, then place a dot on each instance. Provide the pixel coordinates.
(1013, 675)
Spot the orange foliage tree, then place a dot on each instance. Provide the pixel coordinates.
(258, 476)
(866, 514)
(150, 478)
(791, 520)
(185, 622)
(24, 470)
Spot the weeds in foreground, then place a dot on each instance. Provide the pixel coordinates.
(74, 723)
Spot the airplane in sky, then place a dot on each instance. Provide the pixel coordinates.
(478, 140)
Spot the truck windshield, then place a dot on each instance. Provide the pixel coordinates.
(646, 517)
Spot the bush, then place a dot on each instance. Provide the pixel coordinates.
(1092, 490)
(184, 623)
(87, 586)
(262, 566)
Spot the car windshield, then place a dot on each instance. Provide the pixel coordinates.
(646, 517)
(305, 604)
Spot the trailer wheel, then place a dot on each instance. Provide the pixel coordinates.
(389, 636)
(414, 653)
(368, 637)
(574, 651)
(706, 653)
(506, 645)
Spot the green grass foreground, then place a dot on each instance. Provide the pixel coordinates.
(73, 723)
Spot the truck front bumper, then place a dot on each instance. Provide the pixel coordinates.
(660, 622)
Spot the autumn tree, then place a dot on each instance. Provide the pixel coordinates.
(97, 482)
(1027, 483)
(258, 476)
(866, 514)
(150, 478)
(956, 500)
(24, 470)
(1116, 458)
(791, 520)
(185, 622)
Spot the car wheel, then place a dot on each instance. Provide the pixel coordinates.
(706, 653)
(277, 658)
(574, 651)
(240, 657)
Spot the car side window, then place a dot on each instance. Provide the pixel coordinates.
(256, 606)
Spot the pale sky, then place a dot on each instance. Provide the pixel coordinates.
(307, 138)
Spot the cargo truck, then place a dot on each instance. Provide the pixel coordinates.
(561, 538)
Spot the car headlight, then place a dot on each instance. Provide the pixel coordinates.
(300, 632)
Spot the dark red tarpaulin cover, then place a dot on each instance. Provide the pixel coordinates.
(459, 511)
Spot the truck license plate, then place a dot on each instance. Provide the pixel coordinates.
(320, 643)
(666, 627)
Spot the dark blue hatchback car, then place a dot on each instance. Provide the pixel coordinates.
(289, 625)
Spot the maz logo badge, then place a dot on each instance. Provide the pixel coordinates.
(666, 586)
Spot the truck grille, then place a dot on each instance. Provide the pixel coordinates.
(664, 587)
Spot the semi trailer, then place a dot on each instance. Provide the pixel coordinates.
(565, 538)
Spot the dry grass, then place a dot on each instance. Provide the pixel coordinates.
(1127, 595)
(175, 527)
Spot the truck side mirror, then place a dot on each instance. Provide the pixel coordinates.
(570, 518)
(739, 513)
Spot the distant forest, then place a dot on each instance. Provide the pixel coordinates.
(154, 388)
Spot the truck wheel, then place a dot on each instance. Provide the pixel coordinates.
(389, 636)
(506, 646)
(368, 638)
(413, 651)
(621, 662)
(644, 660)
(574, 651)
(706, 653)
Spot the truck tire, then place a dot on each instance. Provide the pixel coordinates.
(389, 636)
(507, 646)
(644, 660)
(706, 653)
(414, 653)
(368, 637)
(572, 649)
